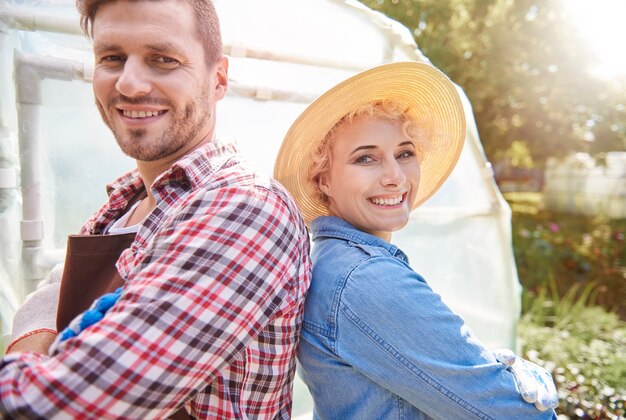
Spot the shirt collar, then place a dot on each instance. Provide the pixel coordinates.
(195, 168)
(123, 189)
(334, 227)
(198, 167)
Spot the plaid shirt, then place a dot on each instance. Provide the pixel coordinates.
(210, 313)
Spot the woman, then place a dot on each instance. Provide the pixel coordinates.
(377, 342)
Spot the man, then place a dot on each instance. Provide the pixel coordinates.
(214, 281)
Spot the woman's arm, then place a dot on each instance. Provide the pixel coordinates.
(394, 329)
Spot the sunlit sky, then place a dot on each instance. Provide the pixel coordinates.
(602, 24)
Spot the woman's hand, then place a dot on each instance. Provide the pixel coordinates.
(533, 382)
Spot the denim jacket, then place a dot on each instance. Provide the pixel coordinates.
(378, 343)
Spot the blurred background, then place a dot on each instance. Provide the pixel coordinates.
(547, 81)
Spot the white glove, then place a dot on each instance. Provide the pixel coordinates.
(533, 382)
(39, 310)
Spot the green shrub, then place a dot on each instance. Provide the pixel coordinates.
(584, 347)
(574, 250)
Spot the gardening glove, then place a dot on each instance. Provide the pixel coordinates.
(38, 313)
(533, 382)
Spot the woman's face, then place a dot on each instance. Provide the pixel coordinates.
(374, 176)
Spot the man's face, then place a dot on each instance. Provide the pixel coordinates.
(152, 84)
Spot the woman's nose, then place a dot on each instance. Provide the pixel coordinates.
(393, 174)
(133, 80)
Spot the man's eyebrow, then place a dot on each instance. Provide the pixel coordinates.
(163, 47)
(100, 48)
(166, 47)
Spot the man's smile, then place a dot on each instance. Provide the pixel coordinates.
(141, 114)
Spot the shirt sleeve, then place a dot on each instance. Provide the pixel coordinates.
(209, 281)
(395, 330)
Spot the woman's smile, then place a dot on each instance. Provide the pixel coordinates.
(392, 201)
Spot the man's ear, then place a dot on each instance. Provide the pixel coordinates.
(221, 77)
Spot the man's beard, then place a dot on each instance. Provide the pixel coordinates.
(183, 128)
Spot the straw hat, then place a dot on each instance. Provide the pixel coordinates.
(433, 102)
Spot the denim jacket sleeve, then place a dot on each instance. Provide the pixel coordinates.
(394, 329)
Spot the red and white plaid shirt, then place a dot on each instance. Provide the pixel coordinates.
(210, 313)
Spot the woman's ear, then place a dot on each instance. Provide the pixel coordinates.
(323, 183)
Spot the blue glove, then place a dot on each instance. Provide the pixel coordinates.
(534, 383)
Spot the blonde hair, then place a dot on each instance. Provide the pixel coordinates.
(389, 109)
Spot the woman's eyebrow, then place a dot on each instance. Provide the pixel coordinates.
(364, 147)
(370, 147)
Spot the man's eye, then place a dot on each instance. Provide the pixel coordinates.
(112, 58)
(167, 60)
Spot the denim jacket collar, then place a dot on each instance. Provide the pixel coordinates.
(334, 227)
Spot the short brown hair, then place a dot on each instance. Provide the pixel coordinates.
(388, 110)
(207, 23)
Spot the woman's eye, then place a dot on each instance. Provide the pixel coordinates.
(406, 154)
(364, 159)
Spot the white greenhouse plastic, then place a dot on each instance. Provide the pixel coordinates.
(56, 155)
(579, 185)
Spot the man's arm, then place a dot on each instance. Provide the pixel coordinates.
(36, 342)
(34, 323)
(209, 281)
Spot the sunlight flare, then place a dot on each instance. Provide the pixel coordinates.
(601, 24)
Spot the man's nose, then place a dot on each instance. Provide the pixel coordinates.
(133, 81)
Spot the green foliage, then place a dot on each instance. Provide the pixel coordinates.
(557, 311)
(567, 253)
(585, 350)
(525, 69)
(520, 155)
(567, 264)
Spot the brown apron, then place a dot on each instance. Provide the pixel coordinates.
(90, 272)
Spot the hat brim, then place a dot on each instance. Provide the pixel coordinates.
(433, 102)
